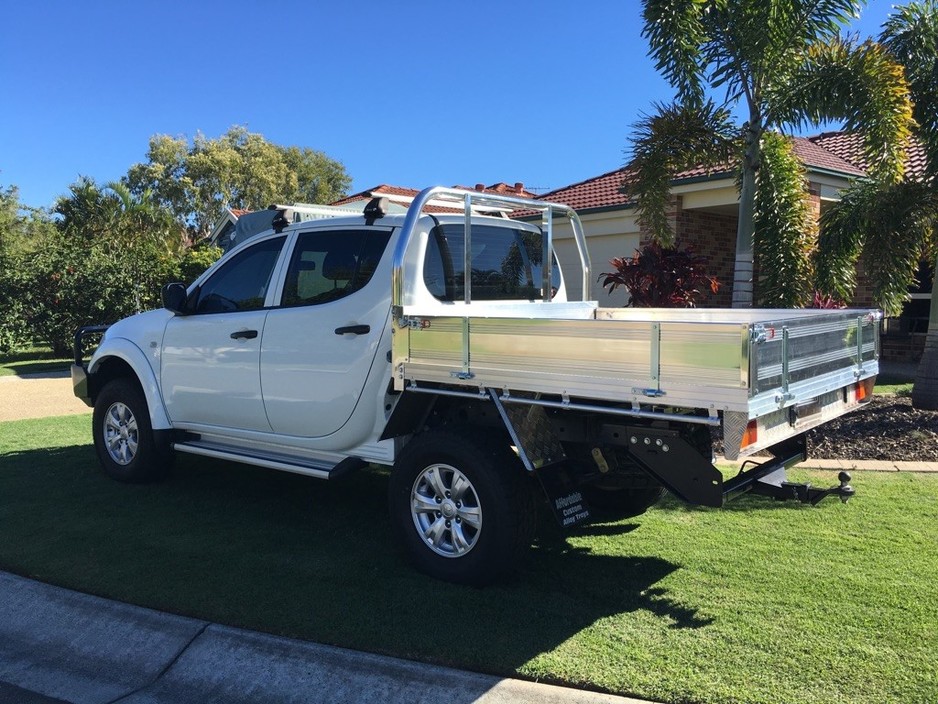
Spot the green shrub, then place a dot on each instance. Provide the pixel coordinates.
(76, 282)
(14, 327)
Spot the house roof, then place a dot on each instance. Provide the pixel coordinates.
(833, 151)
(376, 192)
(849, 147)
(597, 192)
(500, 188)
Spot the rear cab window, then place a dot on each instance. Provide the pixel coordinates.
(506, 263)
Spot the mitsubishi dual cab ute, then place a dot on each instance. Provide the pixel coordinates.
(441, 344)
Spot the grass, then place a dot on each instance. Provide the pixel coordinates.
(33, 360)
(901, 388)
(758, 602)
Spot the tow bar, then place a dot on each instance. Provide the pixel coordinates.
(769, 478)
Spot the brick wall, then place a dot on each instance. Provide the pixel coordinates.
(904, 348)
(712, 236)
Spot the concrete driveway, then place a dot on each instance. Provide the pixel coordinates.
(38, 396)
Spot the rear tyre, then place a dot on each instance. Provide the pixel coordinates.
(123, 436)
(460, 505)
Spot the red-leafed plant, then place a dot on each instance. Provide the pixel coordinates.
(661, 277)
(826, 302)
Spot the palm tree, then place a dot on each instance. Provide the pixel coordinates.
(894, 225)
(782, 64)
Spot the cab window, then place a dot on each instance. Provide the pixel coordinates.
(331, 264)
(506, 264)
(242, 282)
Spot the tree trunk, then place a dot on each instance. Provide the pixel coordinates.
(743, 273)
(925, 389)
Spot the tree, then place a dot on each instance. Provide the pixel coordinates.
(106, 258)
(893, 225)
(22, 228)
(783, 64)
(23, 231)
(240, 169)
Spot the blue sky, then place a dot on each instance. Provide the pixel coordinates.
(411, 93)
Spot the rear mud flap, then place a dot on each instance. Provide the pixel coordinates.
(566, 501)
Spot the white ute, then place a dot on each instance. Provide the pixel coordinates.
(441, 344)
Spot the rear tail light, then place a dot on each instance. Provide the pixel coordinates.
(863, 390)
(751, 434)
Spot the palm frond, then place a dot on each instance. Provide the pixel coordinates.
(911, 36)
(675, 138)
(675, 33)
(890, 227)
(785, 227)
(860, 84)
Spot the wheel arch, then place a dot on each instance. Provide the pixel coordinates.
(122, 358)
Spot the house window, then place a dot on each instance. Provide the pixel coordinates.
(914, 316)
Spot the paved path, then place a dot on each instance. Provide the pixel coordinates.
(38, 396)
(58, 645)
(857, 465)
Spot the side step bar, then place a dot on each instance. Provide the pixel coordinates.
(317, 469)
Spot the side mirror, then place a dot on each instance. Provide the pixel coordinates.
(174, 298)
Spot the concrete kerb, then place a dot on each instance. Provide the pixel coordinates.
(56, 643)
(853, 465)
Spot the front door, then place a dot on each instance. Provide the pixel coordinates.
(210, 368)
(320, 343)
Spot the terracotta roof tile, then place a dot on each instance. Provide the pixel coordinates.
(849, 147)
(382, 190)
(501, 188)
(603, 191)
(816, 155)
(597, 192)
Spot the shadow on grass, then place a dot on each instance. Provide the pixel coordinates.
(300, 557)
(52, 367)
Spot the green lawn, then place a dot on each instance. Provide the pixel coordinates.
(759, 602)
(35, 360)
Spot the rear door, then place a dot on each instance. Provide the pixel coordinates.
(319, 344)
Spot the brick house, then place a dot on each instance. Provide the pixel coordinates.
(704, 215)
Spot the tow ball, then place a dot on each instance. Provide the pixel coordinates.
(770, 479)
(844, 490)
(776, 486)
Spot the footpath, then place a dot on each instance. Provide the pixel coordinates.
(57, 645)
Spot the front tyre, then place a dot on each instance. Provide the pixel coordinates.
(123, 436)
(460, 505)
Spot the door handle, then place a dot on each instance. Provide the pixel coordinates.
(354, 330)
(244, 335)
